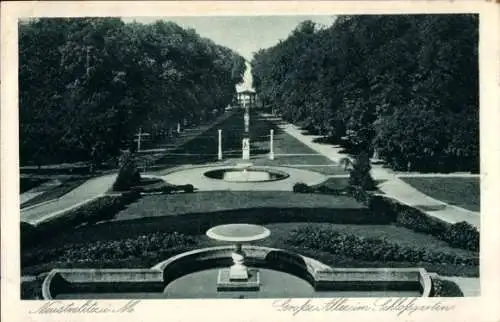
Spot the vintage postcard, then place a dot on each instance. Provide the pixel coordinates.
(250, 161)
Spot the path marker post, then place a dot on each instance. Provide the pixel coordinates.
(246, 149)
(140, 136)
(271, 145)
(219, 154)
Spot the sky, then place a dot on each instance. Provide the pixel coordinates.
(244, 34)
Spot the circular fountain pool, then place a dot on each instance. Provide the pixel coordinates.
(201, 273)
(246, 174)
(274, 284)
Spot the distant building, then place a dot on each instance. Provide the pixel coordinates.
(246, 98)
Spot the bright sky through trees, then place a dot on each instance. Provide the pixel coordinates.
(244, 34)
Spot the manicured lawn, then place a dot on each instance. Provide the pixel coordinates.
(216, 201)
(461, 192)
(317, 163)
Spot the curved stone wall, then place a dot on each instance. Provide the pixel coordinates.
(319, 275)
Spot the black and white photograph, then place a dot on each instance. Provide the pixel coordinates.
(304, 156)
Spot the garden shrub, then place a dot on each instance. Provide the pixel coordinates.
(167, 189)
(445, 288)
(360, 175)
(301, 187)
(128, 176)
(462, 235)
(188, 188)
(370, 249)
(360, 194)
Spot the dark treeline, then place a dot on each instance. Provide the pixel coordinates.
(88, 84)
(405, 85)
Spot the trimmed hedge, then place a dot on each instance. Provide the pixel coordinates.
(320, 188)
(371, 249)
(460, 235)
(324, 189)
(164, 188)
(445, 288)
(301, 187)
(359, 194)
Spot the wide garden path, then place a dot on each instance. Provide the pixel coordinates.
(86, 192)
(391, 185)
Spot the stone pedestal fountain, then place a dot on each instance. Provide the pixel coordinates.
(238, 277)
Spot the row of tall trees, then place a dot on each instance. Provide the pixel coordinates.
(87, 84)
(405, 85)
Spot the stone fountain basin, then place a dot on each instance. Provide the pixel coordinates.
(323, 280)
(197, 175)
(246, 174)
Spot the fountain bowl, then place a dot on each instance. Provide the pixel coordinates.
(246, 174)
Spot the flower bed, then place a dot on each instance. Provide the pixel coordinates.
(145, 248)
(371, 249)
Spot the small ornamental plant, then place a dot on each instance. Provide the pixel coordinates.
(360, 175)
(128, 176)
(301, 188)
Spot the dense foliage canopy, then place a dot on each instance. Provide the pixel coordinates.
(405, 85)
(87, 84)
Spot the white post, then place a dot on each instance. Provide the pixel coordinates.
(220, 145)
(246, 149)
(246, 118)
(178, 127)
(271, 146)
(139, 140)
